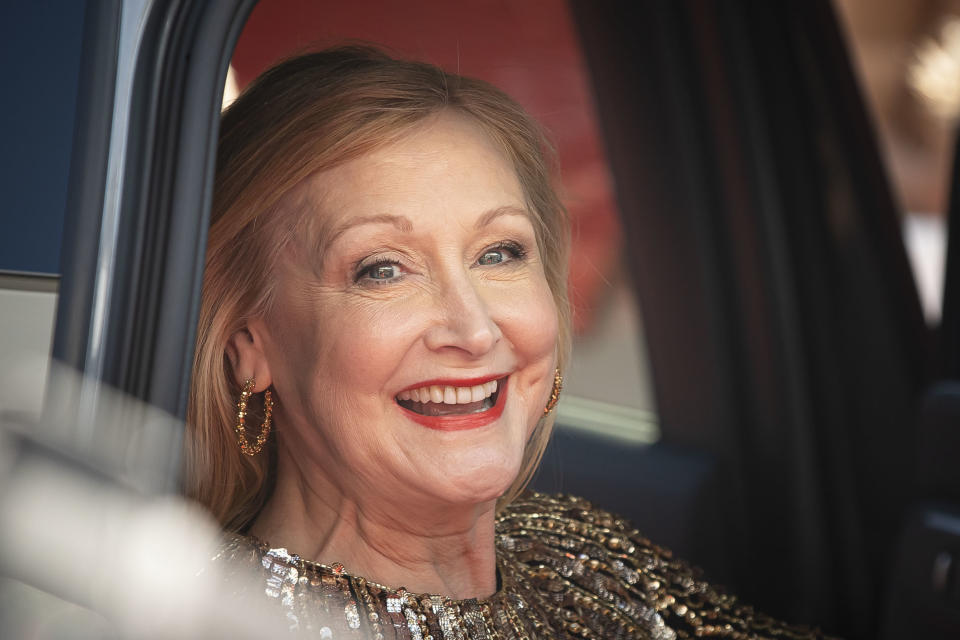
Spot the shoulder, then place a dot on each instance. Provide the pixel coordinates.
(244, 565)
(572, 546)
(237, 553)
(247, 565)
(246, 560)
(283, 592)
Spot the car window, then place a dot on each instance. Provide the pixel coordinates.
(37, 134)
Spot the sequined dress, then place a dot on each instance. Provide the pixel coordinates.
(565, 569)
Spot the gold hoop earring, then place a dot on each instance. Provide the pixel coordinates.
(555, 393)
(245, 446)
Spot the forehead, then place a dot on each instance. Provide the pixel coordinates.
(446, 168)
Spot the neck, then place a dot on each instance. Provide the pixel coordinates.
(442, 549)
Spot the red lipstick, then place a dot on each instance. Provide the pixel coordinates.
(449, 382)
(465, 421)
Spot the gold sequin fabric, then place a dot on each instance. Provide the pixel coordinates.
(566, 570)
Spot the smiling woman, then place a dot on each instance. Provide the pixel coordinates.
(386, 274)
(430, 298)
(367, 214)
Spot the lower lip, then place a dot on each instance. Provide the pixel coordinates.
(462, 422)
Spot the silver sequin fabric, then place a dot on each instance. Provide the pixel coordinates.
(566, 570)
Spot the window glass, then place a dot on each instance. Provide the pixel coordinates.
(42, 46)
(41, 42)
(607, 386)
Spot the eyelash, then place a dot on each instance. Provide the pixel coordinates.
(364, 270)
(518, 251)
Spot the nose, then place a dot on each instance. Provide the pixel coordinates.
(464, 322)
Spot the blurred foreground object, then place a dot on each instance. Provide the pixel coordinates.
(90, 545)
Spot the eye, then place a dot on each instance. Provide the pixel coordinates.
(379, 272)
(491, 257)
(501, 252)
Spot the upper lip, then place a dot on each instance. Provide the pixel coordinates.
(454, 382)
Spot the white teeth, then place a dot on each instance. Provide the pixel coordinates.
(449, 394)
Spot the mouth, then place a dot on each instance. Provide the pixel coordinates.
(454, 405)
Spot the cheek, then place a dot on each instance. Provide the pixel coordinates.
(532, 325)
(334, 361)
(366, 342)
(334, 354)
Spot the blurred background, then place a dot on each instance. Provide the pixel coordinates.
(907, 58)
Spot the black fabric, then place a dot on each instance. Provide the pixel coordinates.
(784, 330)
(949, 347)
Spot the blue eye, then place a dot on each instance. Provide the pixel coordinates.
(491, 257)
(502, 252)
(380, 272)
(383, 272)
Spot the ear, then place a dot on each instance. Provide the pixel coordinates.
(248, 359)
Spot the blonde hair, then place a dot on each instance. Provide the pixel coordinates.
(305, 115)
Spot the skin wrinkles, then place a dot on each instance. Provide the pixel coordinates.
(358, 481)
(315, 234)
(382, 538)
(404, 225)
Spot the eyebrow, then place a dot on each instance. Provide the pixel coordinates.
(493, 214)
(400, 222)
(406, 226)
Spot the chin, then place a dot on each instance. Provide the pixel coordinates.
(472, 466)
(481, 484)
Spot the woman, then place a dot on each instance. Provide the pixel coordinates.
(386, 279)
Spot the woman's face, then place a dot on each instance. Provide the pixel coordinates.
(387, 338)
